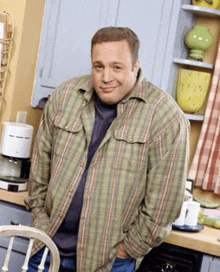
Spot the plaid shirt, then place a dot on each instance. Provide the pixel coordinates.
(135, 183)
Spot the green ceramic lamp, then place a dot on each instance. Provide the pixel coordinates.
(198, 39)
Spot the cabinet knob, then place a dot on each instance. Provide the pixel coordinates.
(12, 222)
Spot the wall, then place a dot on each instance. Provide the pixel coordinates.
(28, 16)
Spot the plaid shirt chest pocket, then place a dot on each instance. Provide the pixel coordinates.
(132, 149)
(68, 136)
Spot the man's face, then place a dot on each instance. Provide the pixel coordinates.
(113, 76)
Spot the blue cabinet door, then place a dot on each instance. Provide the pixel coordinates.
(65, 43)
(155, 24)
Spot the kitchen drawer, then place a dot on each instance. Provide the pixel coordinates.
(20, 215)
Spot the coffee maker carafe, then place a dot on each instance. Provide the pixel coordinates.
(15, 156)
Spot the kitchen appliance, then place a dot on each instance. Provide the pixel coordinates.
(15, 156)
(171, 258)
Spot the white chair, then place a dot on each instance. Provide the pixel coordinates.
(31, 233)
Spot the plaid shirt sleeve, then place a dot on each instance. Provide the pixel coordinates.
(167, 169)
(40, 169)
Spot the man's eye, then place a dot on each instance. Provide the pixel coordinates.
(117, 68)
(98, 67)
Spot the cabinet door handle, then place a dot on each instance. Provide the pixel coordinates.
(14, 223)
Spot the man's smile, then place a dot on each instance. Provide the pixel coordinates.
(108, 89)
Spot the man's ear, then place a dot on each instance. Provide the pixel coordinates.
(137, 67)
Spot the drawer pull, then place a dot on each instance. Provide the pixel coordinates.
(14, 223)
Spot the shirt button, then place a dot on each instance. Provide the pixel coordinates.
(158, 240)
(61, 215)
(83, 220)
(71, 190)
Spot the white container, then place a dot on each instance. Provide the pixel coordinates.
(180, 221)
(16, 140)
(193, 209)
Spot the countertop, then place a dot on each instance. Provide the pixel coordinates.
(204, 240)
(15, 198)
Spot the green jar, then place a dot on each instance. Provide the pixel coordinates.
(199, 39)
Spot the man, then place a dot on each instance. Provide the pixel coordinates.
(109, 164)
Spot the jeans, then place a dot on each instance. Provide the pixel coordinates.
(121, 265)
(66, 264)
(69, 264)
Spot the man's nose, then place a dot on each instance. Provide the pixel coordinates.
(107, 75)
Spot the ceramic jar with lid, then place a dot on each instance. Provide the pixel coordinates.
(198, 39)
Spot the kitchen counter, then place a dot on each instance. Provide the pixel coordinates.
(13, 197)
(204, 241)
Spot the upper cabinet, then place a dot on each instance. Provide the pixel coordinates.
(69, 26)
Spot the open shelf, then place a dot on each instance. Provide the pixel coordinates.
(193, 63)
(201, 11)
(195, 117)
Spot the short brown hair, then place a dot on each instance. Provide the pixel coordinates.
(114, 34)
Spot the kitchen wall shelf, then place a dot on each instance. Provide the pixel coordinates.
(193, 63)
(5, 49)
(195, 117)
(201, 11)
(188, 17)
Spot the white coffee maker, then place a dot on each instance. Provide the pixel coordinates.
(15, 156)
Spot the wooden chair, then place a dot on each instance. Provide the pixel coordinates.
(31, 233)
